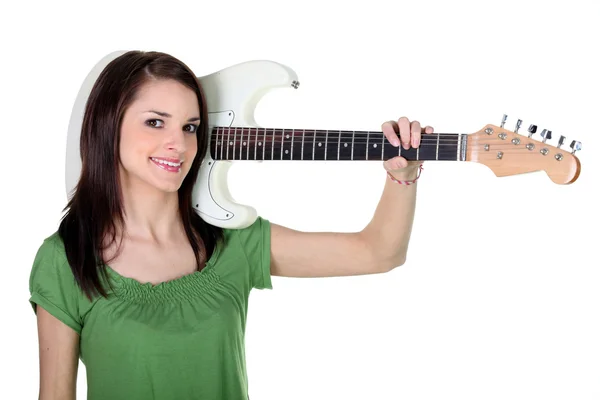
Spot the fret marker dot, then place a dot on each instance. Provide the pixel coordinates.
(260, 143)
(319, 144)
(244, 143)
(287, 136)
(375, 145)
(345, 144)
(286, 151)
(230, 143)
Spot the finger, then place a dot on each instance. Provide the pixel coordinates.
(397, 162)
(415, 134)
(428, 129)
(390, 129)
(404, 127)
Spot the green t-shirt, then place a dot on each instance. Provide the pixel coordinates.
(181, 339)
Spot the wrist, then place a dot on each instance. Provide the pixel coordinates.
(406, 176)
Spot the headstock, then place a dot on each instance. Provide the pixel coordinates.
(507, 152)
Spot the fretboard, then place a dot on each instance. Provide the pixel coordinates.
(237, 143)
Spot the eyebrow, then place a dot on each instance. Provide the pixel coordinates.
(167, 115)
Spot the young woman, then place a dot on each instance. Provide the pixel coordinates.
(151, 297)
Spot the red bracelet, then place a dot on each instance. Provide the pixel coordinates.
(407, 182)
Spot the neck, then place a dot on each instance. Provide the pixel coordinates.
(149, 213)
(237, 143)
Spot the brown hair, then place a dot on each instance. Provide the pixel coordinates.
(96, 203)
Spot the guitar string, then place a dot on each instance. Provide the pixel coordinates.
(507, 148)
(321, 132)
(425, 138)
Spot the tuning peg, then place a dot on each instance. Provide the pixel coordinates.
(532, 129)
(546, 134)
(561, 140)
(503, 120)
(576, 146)
(518, 126)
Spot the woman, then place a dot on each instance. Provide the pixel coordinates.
(149, 296)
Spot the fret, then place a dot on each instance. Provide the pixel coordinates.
(410, 154)
(426, 150)
(326, 135)
(252, 139)
(352, 146)
(360, 143)
(251, 143)
(458, 147)
(287, 141)
(234, 143)
(267, 145)
(367, 147)
(255, 142)
(216, 144)
(302, 151)
(335, 154)
(276, 145)
(250, 155)
(237, 155)
(293, 140)
(246, 143)
(264, 143)
(437, 147)
(223, 142)
(383, 138)
(314, 143)
(345, 146)
(297, 144)
(332, 147)
(227, 144)
(338, 146)
(308, 151)
(319, 145)
(373, 143)
(292, 151)
(241, 144)
(391, 151)
(448, 145)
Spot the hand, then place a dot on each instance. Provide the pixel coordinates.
(410, 136)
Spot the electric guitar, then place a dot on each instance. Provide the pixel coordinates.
(232, 95)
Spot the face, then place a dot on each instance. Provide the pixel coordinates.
(158, 136)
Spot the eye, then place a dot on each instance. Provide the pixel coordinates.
(155, 123)
(150, 122)
(194, 128)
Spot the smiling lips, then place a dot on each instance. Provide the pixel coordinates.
(167, 165)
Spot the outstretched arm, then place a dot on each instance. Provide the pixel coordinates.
(380, 247)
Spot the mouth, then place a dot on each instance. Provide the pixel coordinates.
(167, 165)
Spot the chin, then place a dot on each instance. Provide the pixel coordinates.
(168, 186)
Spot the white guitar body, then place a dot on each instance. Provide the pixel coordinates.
(231, 95)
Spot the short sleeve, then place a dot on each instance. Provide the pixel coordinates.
(256, 243)
(52, 284)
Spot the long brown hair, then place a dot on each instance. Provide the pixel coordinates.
(97, 204)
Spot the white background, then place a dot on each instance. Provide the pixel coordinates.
(500, 295)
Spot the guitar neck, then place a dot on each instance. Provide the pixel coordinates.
(240, 143)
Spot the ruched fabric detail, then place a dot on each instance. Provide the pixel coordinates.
(186, 287)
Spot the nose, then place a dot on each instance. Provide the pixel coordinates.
(176, 140)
